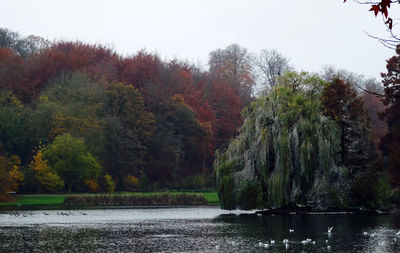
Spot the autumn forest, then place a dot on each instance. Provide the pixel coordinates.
(77, 117)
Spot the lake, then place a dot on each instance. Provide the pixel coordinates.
(199, 229)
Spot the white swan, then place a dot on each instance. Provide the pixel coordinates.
(330, 230)
(291, 230)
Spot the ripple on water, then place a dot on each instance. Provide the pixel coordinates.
(105, 231)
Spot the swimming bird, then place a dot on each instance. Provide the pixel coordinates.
(398, 233)
(266, 245)
(272, 241)
(326, 241)
(330, 230)
(365, 233)
(285, 241)
(328, 247)
(291, 230)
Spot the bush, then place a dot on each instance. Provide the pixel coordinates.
(194, 182)
(336, 199)
(143, 182)
(371, 190)
(44, 178)
(69, 157)
(10, 175)
(93, 185)
(250, 196)
(131, 183)
(226, 193)
(109, 184)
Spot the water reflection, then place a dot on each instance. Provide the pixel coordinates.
(193, 230)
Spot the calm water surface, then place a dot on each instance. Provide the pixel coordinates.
(204, 229)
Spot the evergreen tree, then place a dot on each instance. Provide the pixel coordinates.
(341, 103)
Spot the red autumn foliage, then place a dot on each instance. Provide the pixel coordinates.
(139, 69)
(227, 107)
(390, 142)
(12, 71)
(382, 7)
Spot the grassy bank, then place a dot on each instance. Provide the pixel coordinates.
(211, 198)
(35, 200)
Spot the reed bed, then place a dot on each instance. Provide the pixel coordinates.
(156, 199)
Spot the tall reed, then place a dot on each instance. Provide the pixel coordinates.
(156, 199)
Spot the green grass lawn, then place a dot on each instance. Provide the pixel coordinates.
(35, 200)
(211, 197)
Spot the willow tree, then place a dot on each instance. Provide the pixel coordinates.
(285, 152)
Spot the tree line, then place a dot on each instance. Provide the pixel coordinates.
(80, 117)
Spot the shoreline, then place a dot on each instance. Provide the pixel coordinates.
(110, 201)
(272, 212)
(309, 211)
(63, 207)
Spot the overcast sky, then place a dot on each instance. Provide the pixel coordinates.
(311, 33)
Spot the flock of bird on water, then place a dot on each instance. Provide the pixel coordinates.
(30, 213)
(309, 241)
(286, 241)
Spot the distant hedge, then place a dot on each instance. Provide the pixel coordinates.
(160, 199)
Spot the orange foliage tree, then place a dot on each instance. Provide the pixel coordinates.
(10, 175)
